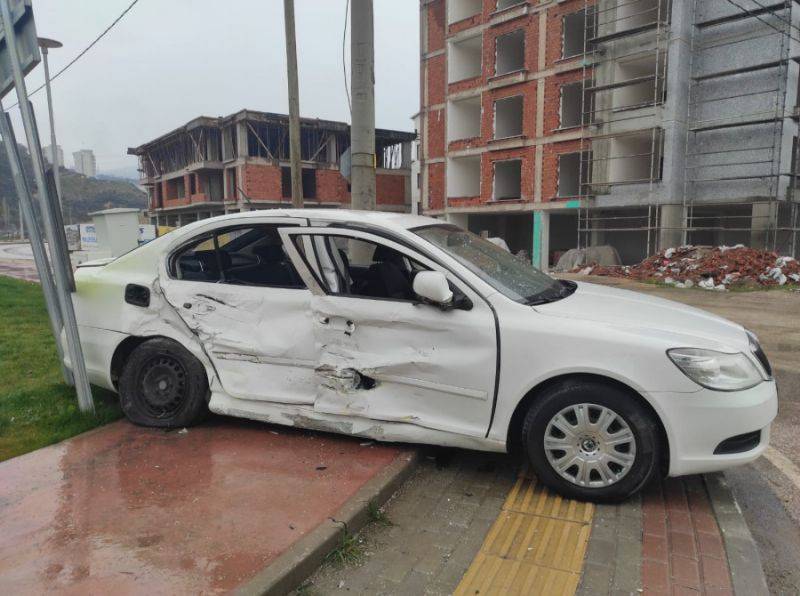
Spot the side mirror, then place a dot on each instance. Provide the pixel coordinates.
(433, 287)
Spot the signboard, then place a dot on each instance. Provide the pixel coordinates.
(27, 46)
(88, 236)
(147, 232)
(73, 232)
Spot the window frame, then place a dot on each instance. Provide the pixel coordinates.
(213, 234)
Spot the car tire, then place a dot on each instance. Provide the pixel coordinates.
(163, 385)
(607, 464)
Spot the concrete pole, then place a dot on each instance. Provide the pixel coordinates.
(362, 82)
(61, 265)
(294, 105)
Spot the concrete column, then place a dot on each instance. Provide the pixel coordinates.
(459, 219)
(672, 228)
(241, 139)
(762, 219)
(540, 251)
(180, 219)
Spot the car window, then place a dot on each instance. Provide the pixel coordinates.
(244, 255)
(508, 274)
(355, 267)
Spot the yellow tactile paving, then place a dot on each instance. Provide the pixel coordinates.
(535, 546)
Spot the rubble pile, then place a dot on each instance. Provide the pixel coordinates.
(710, 268)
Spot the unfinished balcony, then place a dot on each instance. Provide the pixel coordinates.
(460, 10)
(464, 177)
(507, 180)
(508, 117)
(509, 53)
(634, 158)
(463, 119)
(639, 82)
(464, 59)
(626, 18)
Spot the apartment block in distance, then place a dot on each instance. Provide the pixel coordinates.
(212, 166)
(642, 124)
(85, 162)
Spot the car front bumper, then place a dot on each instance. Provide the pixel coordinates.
(697, 423)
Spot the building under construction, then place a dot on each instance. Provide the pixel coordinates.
(637, 123)
(212, 166)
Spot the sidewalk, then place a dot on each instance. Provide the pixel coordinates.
(125, 510)
(451, 532)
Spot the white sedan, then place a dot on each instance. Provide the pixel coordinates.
(405, 328)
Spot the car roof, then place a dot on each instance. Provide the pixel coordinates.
(385, 219)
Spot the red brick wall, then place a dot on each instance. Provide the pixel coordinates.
(331, 187)
(437, 79)
(529, 24)
(435, 139)
(436, 186)
(391, 189)
(527, 154)
(436, 25)
(261, 182)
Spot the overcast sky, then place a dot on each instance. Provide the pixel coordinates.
(169, 61)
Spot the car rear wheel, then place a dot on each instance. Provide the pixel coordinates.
(163, 385)
(591, 441)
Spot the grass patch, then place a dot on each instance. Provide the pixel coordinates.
(36, 407)
(349, 551)
(377, 515)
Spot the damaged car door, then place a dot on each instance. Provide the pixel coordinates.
(241, 295)
(383, 353)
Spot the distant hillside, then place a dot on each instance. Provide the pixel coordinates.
(81, 195)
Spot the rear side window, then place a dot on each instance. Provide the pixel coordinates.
(242, 255)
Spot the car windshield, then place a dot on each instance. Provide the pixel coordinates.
(508, 274)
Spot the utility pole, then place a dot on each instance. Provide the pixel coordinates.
(294, 105)
(362, 83)
(45, 44)
(62, 268)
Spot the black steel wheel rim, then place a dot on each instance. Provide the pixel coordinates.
(162, 385)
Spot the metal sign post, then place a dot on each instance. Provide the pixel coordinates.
(62, 269)
(27, 211)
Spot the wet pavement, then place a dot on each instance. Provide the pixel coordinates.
(124, 509)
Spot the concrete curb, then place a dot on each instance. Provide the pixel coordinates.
(744, 560)
(303, 558)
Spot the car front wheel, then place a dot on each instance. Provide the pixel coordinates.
(591, 441)
(163, 385)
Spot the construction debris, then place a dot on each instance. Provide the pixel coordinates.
(711, 268)
(605, 256)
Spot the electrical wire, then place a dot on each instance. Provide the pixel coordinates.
(344, 61)
(85, 50)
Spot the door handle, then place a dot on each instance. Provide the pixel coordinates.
(349, 327)
(324, 320)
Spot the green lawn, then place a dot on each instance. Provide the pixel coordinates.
(36, 407)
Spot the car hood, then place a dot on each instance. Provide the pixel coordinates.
(633, 310)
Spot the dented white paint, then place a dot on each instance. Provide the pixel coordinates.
(402, 371)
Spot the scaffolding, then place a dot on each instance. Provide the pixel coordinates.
(757, 161)
(738, 185)
(624, 87)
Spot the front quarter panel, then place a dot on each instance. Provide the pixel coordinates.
(537, 347)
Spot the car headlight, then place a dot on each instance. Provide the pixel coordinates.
(716, 370)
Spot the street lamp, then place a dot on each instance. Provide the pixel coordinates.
(46, 44)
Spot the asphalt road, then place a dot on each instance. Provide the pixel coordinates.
(768, 490)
